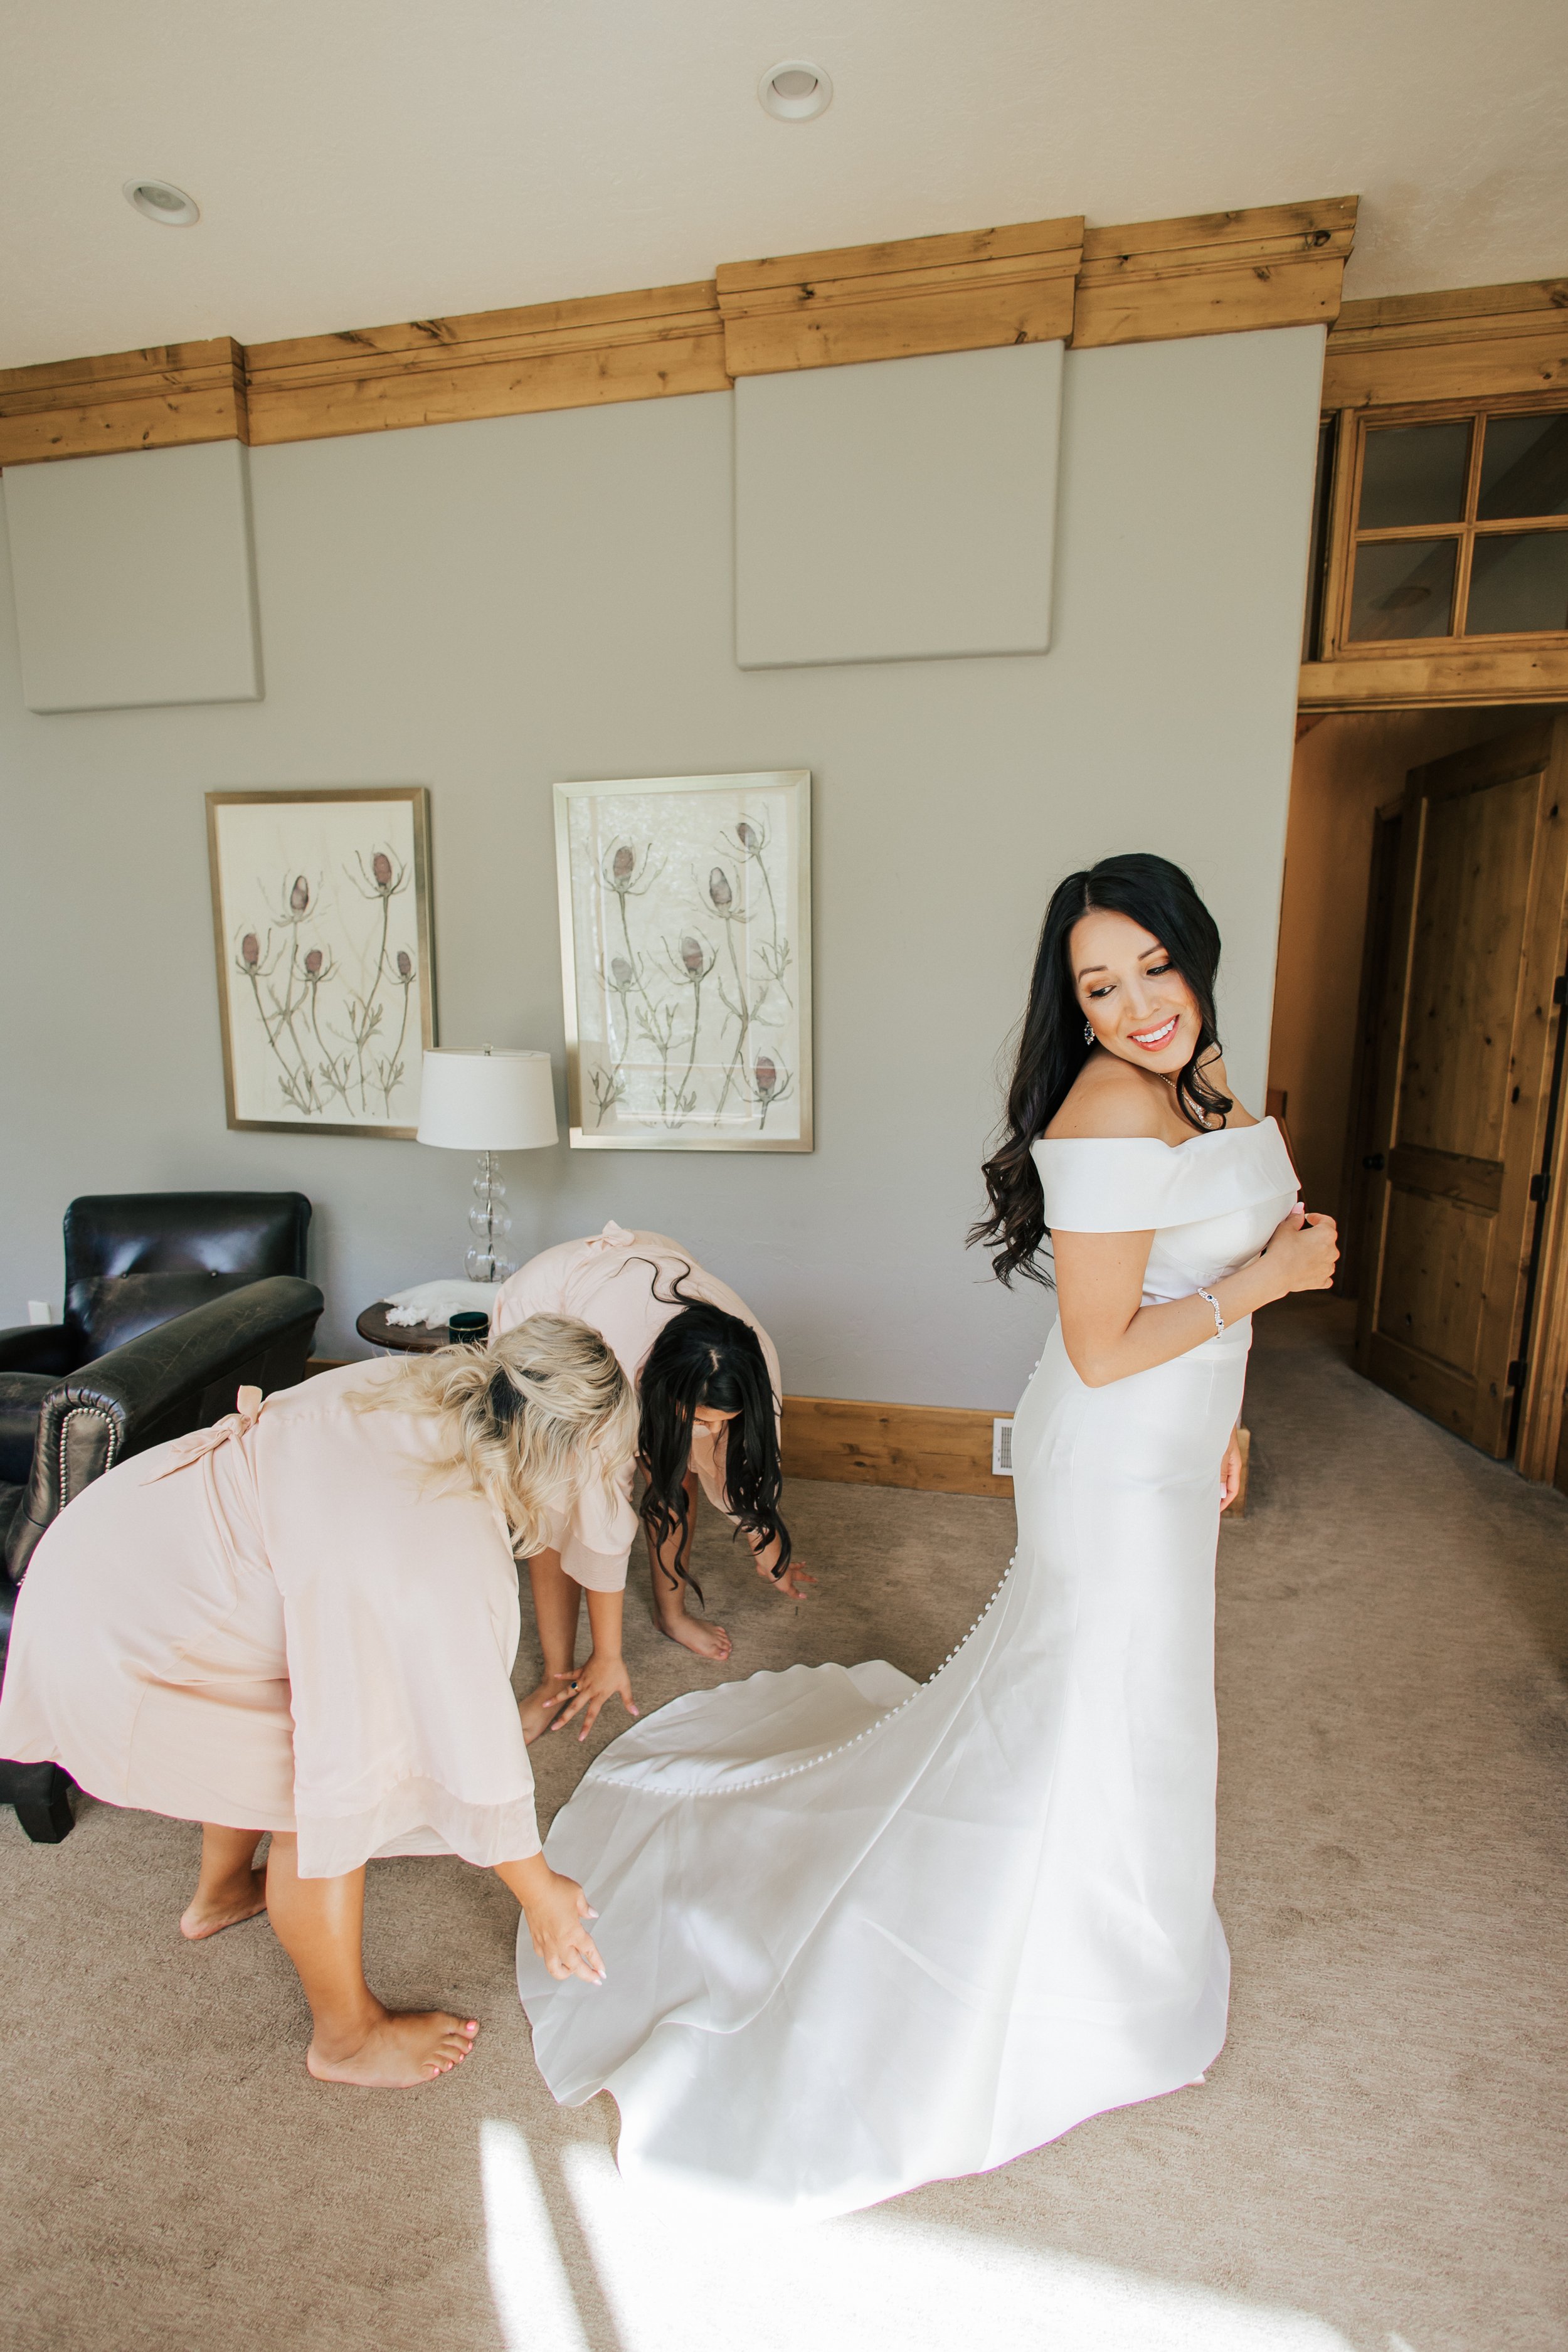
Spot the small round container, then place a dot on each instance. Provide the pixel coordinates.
(468, 1330)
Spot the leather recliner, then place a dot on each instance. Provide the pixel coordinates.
(174, 1302)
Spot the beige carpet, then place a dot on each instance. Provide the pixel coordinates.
(1375, 2161)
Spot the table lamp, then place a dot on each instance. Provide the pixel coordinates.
(476, 1100)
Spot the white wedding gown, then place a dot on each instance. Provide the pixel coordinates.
(861, 1934)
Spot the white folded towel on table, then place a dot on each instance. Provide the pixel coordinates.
(435, 1302)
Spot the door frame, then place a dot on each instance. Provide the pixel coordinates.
(1541, 1437)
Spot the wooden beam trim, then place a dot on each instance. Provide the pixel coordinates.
(895, 285)
(165, 364)
(1457, 677)
(1474, 343)
(1326, 224)
(1052, 242)
(985, 289)
(601, 321)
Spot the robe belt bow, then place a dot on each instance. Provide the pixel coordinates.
(201, 1442)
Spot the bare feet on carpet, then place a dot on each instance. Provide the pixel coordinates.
(400, 2050)
(693, 1634)
(211, 1910)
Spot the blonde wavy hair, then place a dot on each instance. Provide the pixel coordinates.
(534, 1418)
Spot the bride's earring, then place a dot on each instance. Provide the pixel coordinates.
(1089, 1033)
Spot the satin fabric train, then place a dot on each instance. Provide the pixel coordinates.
(859, 1934)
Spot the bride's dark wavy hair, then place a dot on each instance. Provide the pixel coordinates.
(1052, 1048)
(705, 1357)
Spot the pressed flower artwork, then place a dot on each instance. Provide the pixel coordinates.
(686, 956)
(322, 917)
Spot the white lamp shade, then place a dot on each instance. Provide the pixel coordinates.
(487, 1102)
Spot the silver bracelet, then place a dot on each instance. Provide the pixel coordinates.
(1213, 1302)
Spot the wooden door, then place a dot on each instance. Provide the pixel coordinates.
(1466, 1065)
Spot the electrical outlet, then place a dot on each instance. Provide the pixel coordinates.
(40, 1311)
(1002, 1449)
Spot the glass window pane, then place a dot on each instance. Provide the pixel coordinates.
(1414, 473)
(1404, 588)
(1519, 580)
(1524, 466)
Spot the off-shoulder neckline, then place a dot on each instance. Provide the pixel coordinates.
(1213, 1134)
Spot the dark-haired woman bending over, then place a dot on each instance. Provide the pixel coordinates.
(885, 1934)
(708, 1386)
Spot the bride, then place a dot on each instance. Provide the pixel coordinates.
(861, 1934)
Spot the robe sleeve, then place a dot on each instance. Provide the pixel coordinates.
(595, 1545)
(401, 1625)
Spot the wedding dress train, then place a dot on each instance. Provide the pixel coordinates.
(861, 1934)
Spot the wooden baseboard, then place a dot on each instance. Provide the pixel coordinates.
(939, 1449)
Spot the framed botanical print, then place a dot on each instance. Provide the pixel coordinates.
(686, 961)
(325, 977)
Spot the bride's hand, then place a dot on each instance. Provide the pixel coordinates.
(1230, 1473)
(1303, 1251)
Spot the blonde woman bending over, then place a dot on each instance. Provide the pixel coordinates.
(303, 1621)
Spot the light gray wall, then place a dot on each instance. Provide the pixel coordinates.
(896, 510)
(487, 607)
(135, 577)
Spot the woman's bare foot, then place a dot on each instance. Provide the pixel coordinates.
(693, 1634)
(541, 1707)
(210, 1911)
(401, 2050)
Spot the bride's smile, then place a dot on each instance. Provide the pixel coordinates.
(1136, 1003)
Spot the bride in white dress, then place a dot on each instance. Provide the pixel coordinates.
(859, 1934)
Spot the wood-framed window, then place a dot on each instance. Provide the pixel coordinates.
(1441, 524)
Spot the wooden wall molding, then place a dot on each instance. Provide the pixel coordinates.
(973, 291)
(1213, 273)
(163, 398)
(939, 1449)
(1456, 676)
(579, 354)
(1472, 342)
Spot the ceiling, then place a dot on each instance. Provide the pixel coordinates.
(359, 162)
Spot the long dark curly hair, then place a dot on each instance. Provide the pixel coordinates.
(1053, 1049)
(705, 1357)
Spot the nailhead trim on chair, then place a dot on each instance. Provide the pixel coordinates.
(83, 1412)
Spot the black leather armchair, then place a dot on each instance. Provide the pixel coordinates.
(174, 1302)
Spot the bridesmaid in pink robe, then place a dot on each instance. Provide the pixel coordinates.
(303, 1621)
(707, 1376)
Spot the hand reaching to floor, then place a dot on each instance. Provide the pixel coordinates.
(795, 1579)
(586, 1688)
(557, 1912)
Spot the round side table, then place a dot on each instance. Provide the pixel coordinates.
(404, 1339)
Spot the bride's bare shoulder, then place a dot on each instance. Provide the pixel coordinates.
(1109, 1102)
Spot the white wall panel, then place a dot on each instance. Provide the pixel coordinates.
(135, 579)
(486, 607)
(902, 510)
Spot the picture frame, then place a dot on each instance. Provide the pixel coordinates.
(326, 975)
(686, 961)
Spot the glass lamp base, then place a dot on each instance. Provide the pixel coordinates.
(484, 1265)
(491, 1220)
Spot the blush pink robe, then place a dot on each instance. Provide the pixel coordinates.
(608, 1283)
(287, 1622)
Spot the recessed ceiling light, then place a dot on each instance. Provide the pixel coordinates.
(794, 91)
(161, 201)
